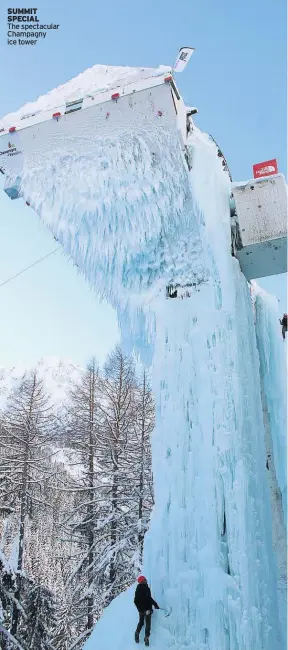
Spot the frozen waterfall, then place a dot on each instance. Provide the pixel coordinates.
(208, 552)
(134, 220)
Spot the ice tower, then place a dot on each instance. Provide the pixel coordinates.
(140, 199)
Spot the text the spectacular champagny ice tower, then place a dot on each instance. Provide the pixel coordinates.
(142, 201)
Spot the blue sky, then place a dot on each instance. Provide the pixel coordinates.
(236, 78)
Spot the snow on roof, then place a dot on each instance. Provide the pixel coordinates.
(92, 81)
(256, 181)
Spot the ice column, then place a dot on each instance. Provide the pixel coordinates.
(134, 221)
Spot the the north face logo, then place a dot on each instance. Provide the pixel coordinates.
(266, 168)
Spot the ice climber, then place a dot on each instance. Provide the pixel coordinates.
(144, 603)
(283, 322)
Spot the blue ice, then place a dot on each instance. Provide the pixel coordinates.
(134, 222)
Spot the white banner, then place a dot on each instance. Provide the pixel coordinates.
(183, 57)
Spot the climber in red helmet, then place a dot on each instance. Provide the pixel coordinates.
(144, 603)
(283, 322)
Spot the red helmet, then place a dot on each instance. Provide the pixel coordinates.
(141, 579)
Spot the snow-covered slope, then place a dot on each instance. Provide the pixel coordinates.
(57, 375)
(135, 220)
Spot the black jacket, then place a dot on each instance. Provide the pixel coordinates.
(143, 599)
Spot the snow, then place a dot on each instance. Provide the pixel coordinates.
(57, 375)
(7, 567)
(134, 221)
(13, 558)
(68, 458)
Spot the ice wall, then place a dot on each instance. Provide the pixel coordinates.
(272, 353)
(133, 220)
(208, 552)
(213, 563)
(273, 374)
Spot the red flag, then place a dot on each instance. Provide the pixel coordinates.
(267, 168)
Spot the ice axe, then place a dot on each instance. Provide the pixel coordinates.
(167, 611)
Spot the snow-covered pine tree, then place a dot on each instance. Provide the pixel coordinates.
(25, 436)
(36, 630)
(7, 575)
(144, 425)
(7, 602)
(80, 524)
(118, 447)
(64, 628)
(5, 482)
(87, 547)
